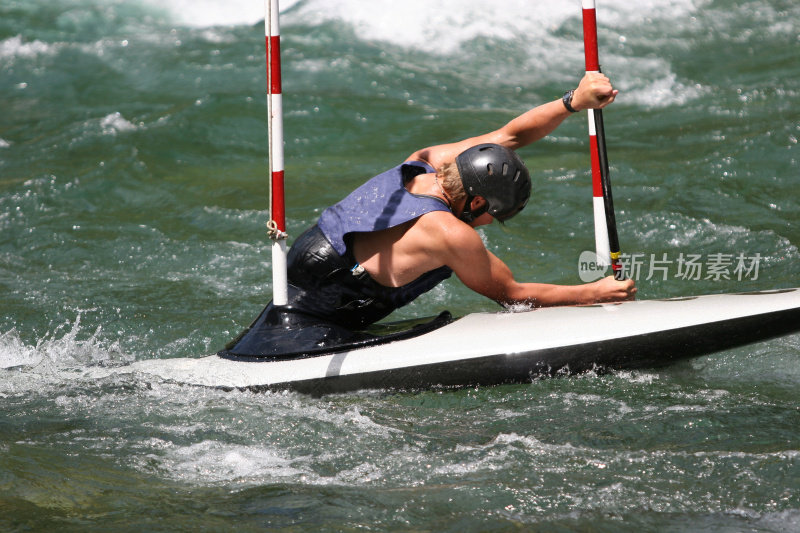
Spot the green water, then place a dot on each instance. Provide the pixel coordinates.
(132, 209)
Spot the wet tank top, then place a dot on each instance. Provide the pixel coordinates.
(381, 203)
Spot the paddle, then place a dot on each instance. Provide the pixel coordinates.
(277, 210)
(605, 224)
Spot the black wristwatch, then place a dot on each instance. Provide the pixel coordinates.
(567, 99)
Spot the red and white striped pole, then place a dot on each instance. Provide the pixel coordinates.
(605, 225)
(277, 207)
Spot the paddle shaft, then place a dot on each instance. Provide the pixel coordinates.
(606, 238)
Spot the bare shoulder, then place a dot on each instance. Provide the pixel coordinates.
(445, 232)
(438, 155)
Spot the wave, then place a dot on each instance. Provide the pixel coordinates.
(418, 24)
(513, 39)
(644, 45)
(206, 13)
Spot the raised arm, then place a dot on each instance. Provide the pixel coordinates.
(593, 92)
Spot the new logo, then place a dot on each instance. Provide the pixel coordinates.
(591, 267)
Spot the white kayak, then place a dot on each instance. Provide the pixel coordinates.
(493, 348)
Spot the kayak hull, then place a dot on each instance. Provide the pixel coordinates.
(495, 348)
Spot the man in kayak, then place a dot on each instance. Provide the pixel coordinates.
(407, 229)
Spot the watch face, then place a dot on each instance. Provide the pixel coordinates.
(567, 99)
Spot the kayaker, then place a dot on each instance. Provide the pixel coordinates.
(407, 229)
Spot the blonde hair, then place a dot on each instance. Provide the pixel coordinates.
(451, 181)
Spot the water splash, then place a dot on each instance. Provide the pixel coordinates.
(59, 356)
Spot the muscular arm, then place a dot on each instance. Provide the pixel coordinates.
(461, 248)
(498, 284)
(594, 91)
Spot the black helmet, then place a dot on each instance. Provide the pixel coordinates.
(498, 174)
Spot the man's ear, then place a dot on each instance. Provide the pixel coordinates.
(477, 203)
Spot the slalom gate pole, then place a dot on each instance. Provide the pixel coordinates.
(605, 224)
(277, 208)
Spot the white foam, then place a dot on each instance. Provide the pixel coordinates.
(212, 462)
(14, 48)
(655, 87)
(115, 123)
(445, 25)
(207, 13)
(443, 28)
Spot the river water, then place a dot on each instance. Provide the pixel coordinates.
(133, 199)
